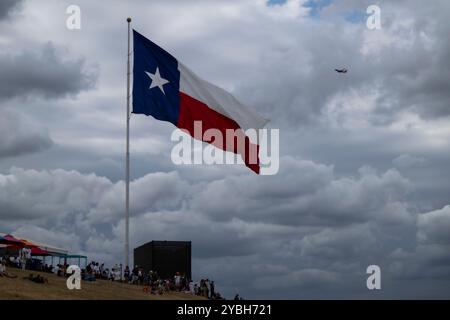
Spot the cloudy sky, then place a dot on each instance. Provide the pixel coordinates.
(364, 171)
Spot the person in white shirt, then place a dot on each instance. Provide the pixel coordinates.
(208, 286)
(118, 275)
(23, 258)
(191, 287)
(56, 269)
(177, 279)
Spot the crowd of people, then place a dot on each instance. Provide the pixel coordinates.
(95, 270)
(151, 282)
(154, 284)
(20, 260)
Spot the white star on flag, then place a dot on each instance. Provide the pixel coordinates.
(157, 80)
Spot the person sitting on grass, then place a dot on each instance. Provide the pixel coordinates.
(2, 268)
(14, 261)
(89, 277)
(3, 272)
(36, 278)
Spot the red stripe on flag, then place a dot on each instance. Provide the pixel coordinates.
(193, 110)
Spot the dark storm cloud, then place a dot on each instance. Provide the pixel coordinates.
(302, 193)
(8, 6)
(434, 226)
(48, 193)
(302, 254)
(45, 72)
(420, 80)
(20, 135)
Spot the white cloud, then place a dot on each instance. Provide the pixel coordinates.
(407, 161)
(434, 226)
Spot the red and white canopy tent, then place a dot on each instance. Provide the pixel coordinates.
(39, 249)
(10, 240)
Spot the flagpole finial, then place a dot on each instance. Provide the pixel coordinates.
(128, 19)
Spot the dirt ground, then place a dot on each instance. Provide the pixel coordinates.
(56, 288)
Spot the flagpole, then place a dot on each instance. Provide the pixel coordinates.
(127, 165)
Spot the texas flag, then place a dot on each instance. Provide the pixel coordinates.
(167, 90)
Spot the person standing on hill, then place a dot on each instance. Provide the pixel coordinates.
(212, 290)
(177, 280)
(23, 256)
(126, 274)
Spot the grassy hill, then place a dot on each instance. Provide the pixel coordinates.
(56, 288)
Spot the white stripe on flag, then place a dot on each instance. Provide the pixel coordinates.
(219, 100)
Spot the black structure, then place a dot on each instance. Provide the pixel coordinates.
(165, 257)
